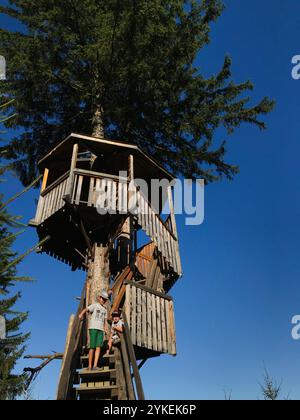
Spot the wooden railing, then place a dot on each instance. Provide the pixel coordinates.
(110, 193)
(89, 186)
(150, 318)
(51, 199)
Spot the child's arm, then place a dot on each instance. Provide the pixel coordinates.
(106, 326)
(119, 329)
(81, 315)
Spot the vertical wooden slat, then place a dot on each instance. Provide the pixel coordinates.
(153, 226)
(128, 304)
(163, 325)
(133, 316)
(79, 188)
(58, 200)
(140, 209)
(114, 201)
(146, 217)
(39, 211)
(49, 198)
(157, 233)
(74, 187)
(158, 316)
(96, 193)
(122, 197)
(42, 217)
(91, 192)
(172, 328)
(149, 321)
(168, 328)
(154, 323)
(173, 253)
(144, 319)
(108, 195)
(139, 318)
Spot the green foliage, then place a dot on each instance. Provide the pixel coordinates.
(11, 349)
(128, 65)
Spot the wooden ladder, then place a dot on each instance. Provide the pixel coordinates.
(102, 384)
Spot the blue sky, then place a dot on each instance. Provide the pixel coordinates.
(241, 285)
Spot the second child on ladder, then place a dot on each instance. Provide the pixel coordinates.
(97, 327)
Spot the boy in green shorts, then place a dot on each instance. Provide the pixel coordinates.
(97, 327)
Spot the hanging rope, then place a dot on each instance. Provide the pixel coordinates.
(21, 193)
(21, 257)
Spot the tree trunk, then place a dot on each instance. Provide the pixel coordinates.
(98, 274)
(97, 123)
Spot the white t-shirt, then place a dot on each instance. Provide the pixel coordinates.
(98, 317)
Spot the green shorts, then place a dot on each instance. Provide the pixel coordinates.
(96, 338)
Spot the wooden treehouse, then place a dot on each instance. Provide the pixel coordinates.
(84, 210)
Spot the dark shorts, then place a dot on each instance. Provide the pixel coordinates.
(96, 338)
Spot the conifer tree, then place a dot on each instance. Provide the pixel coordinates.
(12, 347)
(125, 69)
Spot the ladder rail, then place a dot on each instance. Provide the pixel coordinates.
(132, 359)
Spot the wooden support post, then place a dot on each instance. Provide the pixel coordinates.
(45, 180)
(125, 238)
(72, 169)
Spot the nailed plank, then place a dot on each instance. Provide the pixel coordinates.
(114, 196)
(172, 328)
(158, 316)
(108, 194)
(149, 321)
(144, 318)
(163, 325)
(168, 328)
(133, 316)
(139, 317)
(79, 188)
(154, 322)
(91, 192)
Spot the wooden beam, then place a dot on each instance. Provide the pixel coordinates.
(72, 169)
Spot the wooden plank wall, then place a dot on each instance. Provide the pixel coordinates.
(87, 189)
(52, 200)
(151, 319)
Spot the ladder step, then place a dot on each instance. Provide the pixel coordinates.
(96, 387)
(100, 372)
(111, 356)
